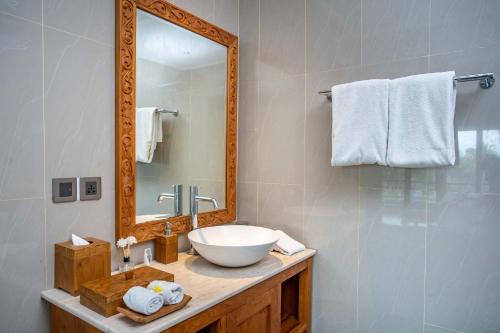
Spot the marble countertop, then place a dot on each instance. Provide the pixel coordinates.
(208, 284)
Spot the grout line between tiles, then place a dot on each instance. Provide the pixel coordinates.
(424, 298)
(425, 248)
(22, 18)
(259, 117)
(444, 328)
(78, 36)
(361, 30)
(46, 262)
(43, 25)
(21, 199)
(358, 222)
(429, 37)
(304, 123)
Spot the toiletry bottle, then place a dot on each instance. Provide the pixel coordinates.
(148, 256)
(166, 246)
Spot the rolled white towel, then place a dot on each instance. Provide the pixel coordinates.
(287, 245)
(172, 292)
(143, 300)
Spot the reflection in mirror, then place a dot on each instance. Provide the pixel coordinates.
(476, 170)
(184, 75)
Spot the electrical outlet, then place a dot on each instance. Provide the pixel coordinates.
(90, 188)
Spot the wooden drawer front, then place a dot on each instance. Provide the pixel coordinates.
(64, 322)
(259, 314)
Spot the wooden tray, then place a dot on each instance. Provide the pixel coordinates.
(105, 295)
(165, 310)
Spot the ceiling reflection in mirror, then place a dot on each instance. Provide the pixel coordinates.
(180, 118)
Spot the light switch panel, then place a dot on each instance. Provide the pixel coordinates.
(90, 188)
(63, 190)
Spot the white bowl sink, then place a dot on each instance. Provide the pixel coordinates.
(233, 245)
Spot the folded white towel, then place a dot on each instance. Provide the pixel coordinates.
(143, 300)
(148, 132)
(421, 112)
(172, 292)
(359, 122)
(287, 245)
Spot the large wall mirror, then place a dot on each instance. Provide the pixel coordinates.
(176, 81)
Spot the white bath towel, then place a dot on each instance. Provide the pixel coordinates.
(359, 122)
(148, 132)
(287, 245)
(421, 112)
(143, 300)
(171, 292)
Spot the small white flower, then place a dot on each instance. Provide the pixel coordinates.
(131, 240)
(122, 242)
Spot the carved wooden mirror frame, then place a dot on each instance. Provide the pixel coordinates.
(125, 194)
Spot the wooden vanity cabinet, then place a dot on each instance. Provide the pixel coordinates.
(279, 304)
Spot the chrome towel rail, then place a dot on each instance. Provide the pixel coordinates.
(174, 112)
(486, 80)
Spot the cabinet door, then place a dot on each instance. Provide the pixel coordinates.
(258, 314)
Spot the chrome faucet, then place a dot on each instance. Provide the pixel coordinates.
(194, 198)
(176, 196)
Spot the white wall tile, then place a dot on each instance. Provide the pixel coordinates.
(78, 75)
(463, 281)
(347, 41)
(202, 8)
(282, 38)
(21, 116)
(395, 30)
(247, 202)
(281, 137)
(456, 21)
(79, 120)
(226, 15)
(249, 28)
(28, 9)
(22, 266)
(94, 19)
(391, 262)
(281, 207)
(333, 34)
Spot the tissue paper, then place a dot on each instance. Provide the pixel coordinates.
(78, 240)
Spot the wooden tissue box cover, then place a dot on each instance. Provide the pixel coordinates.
(75, 265)
(105, 295)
